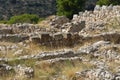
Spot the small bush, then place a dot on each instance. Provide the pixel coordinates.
(103, 2)
(3, 22)
(41, 19)
(24, 18)
(108, 2)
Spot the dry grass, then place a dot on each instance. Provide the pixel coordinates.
(47, 71)
(69, 71)
(113, 24)
(45, 23)
(113, 65)
(36, 48)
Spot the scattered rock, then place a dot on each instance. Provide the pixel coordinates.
(92, 48)
(23, 71)
(95, 74)
(5, 69)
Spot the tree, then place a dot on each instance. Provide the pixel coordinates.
(69, 7)
(108, 2)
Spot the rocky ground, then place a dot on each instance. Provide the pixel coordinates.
(84, 48)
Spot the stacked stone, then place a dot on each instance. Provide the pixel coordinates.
(99, 17)
(55, 39)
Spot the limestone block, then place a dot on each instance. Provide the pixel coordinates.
(76, 27)
(58, 36)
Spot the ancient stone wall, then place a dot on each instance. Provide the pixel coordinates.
(56, 39)
(69, 32)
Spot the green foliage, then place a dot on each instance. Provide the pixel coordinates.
(41, 19)
(103, 2)
(24, 18)
(108, 2)
(115, 2)
(69, 7)
(3, 22)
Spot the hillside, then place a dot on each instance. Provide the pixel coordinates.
(42, 8)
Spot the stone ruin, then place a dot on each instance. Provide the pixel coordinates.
(62, 31)
(99, 18)
(99, 49)
(56, 39)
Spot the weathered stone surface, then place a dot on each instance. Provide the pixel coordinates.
(6, 31)
(58, 36)
(76, 26)
(92, 48)
(5, 69)
(95, 74)
(117, 75)
(14, 38)
(56, 39)
(56, 60)
(57, 22)
(23, 71)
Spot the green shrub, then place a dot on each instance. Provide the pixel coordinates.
(69, 7)
(103, 2)
(108, 2)
(41, 19)
(24, 18)
(3, 22)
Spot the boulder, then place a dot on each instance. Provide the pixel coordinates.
(59, 21)
(76, 26)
